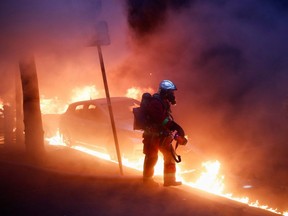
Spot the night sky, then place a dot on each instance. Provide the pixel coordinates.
(228, 60)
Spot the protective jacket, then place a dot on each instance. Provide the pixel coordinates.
(159, 113)
(160, 118)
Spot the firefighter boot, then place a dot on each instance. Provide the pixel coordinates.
(170, 180)
(149, 182)
(170, 172)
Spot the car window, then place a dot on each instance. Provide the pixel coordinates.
(94, 113)
(79, 110)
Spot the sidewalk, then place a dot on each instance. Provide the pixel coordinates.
(72, 183)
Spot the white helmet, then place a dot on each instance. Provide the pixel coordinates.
(166, 90)
(167, 85)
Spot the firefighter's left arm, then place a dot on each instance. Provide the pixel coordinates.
(176, 127)
(180, 135)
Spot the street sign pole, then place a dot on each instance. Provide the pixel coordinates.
(110, 108)
(103, 39)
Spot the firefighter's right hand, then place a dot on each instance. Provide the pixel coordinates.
(181, 140)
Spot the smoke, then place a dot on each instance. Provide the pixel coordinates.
(144, 17)
(229, 62)
(58, 34)
(37, 25)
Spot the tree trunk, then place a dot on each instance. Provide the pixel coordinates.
(34, 135)
(19, 112)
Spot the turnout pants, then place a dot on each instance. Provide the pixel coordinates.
(152, 145)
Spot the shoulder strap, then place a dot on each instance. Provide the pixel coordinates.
(168, 110)
(157, 96)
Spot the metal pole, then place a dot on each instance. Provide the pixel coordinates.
(110, 108)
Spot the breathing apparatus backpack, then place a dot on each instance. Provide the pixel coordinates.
(141, 117)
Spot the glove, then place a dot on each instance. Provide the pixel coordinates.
(178, 128)
(181, 139)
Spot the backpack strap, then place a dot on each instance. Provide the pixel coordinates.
(175, 156)
(166, 107)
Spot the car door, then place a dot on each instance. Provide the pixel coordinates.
(74, 122)
(96, 126)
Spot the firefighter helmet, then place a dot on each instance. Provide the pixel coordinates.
(166, 90)
(167, 85)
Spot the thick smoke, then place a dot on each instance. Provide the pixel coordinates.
(229, 62)
(58, 34)
(144, 17)
(227, 58)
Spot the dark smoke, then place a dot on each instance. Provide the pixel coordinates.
(227, 58)
(229, 62)
(146, 16)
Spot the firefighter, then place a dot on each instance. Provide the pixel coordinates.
(154, 136)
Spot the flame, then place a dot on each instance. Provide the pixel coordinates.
(51, 105)
(136, 92)
(1, 104)
(209, 180)
(56, 106)
(55, 140)
(84, 93)
(93, 152)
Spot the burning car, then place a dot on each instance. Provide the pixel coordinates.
(88, 123)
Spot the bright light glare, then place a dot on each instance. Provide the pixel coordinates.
(209, 180)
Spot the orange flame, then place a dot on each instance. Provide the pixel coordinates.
(51, 105)
(1, 104)
(56, 106)
(85, 93)
(136, 92)
(210, 180)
